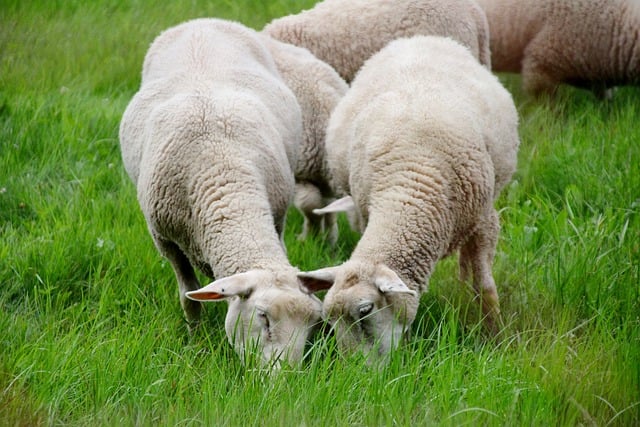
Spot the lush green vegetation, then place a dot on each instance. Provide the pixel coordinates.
(91, 332)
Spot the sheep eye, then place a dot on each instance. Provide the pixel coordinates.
(264, 318)
(365, 309)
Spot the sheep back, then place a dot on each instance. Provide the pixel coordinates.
(344, 33)
(318, 88)
(431, 137)
(209, 140)
(190, 58)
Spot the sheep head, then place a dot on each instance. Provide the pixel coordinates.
(369, 306)
(267, 312)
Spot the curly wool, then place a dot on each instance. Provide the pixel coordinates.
(191, 142)
(344, 33)
(318, 88)
(435, 138)
(424, 140)
(210, 141)
(593, 44)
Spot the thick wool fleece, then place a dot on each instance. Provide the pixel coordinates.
(344, 33)
(210, 141)
(593, 44)
(429, 139)
(318, 88)
(213, 121)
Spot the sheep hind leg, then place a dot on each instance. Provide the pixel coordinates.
(476, 255)
(330, 226)
(316, 225)
(186, 276)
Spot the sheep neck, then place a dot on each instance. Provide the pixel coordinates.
(242, 237)
(409, 240)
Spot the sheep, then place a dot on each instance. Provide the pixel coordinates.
(318, 88)
(431, 138)
(344, 33)
(592, 44)
(208, 141)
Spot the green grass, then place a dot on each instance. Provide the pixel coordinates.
(91, 328)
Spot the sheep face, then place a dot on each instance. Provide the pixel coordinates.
(266, 315)
(366, 306)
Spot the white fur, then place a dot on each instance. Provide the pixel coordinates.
(594, 44)
(318, 88)
(344, 33)
(209, 140)
(427, 138)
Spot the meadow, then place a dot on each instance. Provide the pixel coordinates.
(91, 331)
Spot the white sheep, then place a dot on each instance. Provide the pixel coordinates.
(432, 138)
(318, 88)
(593, 44)
(208, 140)
(344, 33)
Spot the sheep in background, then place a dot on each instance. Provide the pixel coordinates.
(344, 33)
(593, 44)
(208, 141)
(318, 88)
(432, 138)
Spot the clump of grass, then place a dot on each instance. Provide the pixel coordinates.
(91, 327)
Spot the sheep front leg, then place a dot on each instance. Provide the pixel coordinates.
(477, 256)
(186, 276)
(541, 68)
(307, 198)
(315, 225)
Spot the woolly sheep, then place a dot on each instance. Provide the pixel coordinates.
(318, 88)
(208, 141)
(593, 44)
(344, 33)
(431, 138)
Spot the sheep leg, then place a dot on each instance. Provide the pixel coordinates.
(535, 80)
(186, 276)
(314, 225)
(464, 263)
(476, 255)
(602, 91)
(307, 198)
(537, 77)
(330, 225)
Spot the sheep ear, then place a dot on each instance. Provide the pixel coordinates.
(318, 280)
(344, 204)
(237, 285)
(387, 281)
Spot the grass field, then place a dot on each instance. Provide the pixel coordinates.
(91, 332)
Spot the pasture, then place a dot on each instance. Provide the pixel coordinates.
(91, 330)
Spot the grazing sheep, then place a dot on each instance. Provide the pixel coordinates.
(432, 138)
(318, 88)
(593, 44)
(344, 33)
(208, 141)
